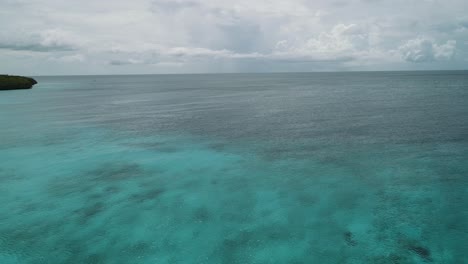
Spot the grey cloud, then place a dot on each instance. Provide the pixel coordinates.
(172, 5)
(450, 26)
(170, 55)
(446, 27)
(191, 55)
(338, 59)
(119, 62)
(417, 51)
(50, 40)
(70, 58)
(464, 23)
(37, 47)
(425, 50)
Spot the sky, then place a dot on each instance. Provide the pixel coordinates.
(60, 37)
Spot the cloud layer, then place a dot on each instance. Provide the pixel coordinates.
(425, 50)
(172, 36)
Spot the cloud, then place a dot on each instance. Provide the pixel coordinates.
(463, 22)
(343, 43)
(46, 41)
(341, 38)
(172, 5)
(426, 50)
(71, 58)
(178, 55)
(186, 52)
(209, 35)
(125, 62)
(38, 47)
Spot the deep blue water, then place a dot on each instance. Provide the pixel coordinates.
(236, 168)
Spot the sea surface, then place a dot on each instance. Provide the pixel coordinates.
(236, 168)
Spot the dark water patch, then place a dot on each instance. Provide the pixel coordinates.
(54, 139)
(89, 211)
(201, 214)
(453, 179)
(9, 175)
(240, 211)
(147, 145)
(70, 186)
(234, 248)
(277, 233)
(415, 247)
(239, 239)
(242, 216)
(191, 179)
(112, 189)
(285, 151)
(454, 221)
(30, 207)
(238, 247)
(218, 147)
(349, 239)
(307, 199)
(28, 238)
(276, 153)
(271, 233)
(97, 196)
(391, 258)
(452, 170)
(334, 160)
(147, 195)
(155, 146)
(111, 172)
(139, 248)
(347, 199)
(214, 181)
(421, 251)
(128, 213)
(94, 258)
(76, 251)
(237, 183)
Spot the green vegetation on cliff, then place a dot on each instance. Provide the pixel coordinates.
(10, 82)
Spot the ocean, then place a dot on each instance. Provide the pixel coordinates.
(362, 167)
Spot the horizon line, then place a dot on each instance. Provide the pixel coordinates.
(229, 73)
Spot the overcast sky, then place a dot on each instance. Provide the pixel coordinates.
(56, 37)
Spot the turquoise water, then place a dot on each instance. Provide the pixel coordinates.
(246, 168)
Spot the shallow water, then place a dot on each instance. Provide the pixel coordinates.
(238, 168)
